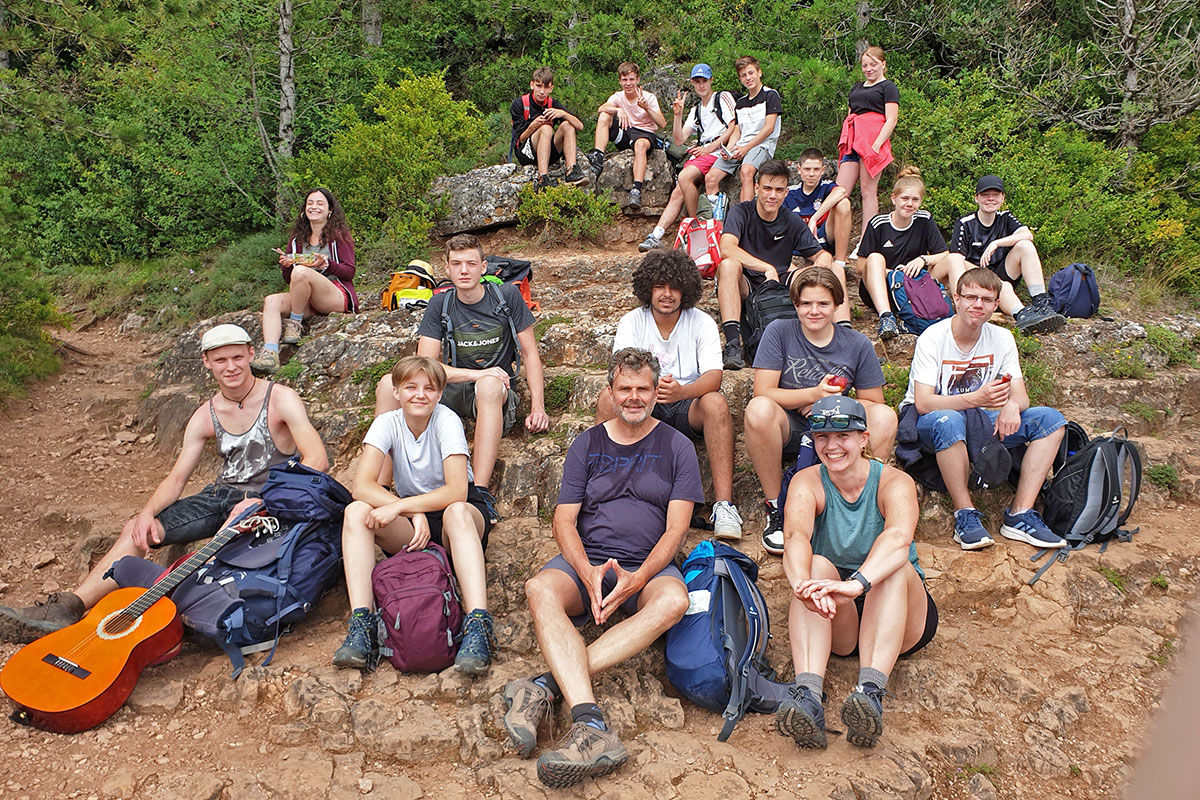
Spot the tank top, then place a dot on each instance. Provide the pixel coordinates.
(247, 456)
(844, 532)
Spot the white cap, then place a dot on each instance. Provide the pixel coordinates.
(223, 335)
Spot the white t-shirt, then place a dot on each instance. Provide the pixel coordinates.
(693, 348)
(711, 126)
(638, 117)
(938, 362)
(417, 460)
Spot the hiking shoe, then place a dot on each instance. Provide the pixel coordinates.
(863, 714)
(732, 354)
(528, 704)
(542, 183)
(596, 159)
(1030, 528)
(726, 521)
(489, 502)
(575, 176)
(292, 332)
(888, 329)
(802, 717)
(585, 752)
(265, 361)
(772, 537)
(1039, 316)
(635, 199)
(854, 253)
(478, 642)
(969, 531)
(360, 650)
(23, 625)
(649, 244)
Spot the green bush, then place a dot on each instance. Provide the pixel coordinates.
(565, 209)
(1171, 345)
(896, 384)
(1164, 476)
(27, 352)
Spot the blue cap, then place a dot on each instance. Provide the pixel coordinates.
(702, 71)
(849, 413)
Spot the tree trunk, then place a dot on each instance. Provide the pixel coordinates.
(862, 15)
(372, 23)
(3, 27)
(1129, 126)
(287, 100)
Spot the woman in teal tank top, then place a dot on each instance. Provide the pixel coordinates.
(852, 565)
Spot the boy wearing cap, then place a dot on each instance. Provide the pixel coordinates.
(275, 426)
(708, 119)
(544, 131)
(630, 119)
(993, 238)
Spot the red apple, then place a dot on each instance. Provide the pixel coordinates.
(840, 382)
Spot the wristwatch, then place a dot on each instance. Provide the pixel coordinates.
(862, 579)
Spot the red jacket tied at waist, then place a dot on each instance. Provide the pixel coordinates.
(858, 135)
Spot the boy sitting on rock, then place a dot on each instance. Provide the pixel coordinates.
(630, 119)
(544, 131)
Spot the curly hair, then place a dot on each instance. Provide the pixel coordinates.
(662, 267)
(335, 228)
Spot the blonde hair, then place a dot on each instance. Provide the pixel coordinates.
(409, 366)
(876, 53)
(909, 178)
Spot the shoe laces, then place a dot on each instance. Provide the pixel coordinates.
(724, 508)
(876, 693)
(481, 625)
(966, 514)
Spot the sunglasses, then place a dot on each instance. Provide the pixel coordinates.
(837, 421)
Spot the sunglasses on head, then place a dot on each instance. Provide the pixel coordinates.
(838, 421)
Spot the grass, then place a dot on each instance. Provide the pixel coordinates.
(1172, 345)
(1039, 383)
(1140, 410)
(1159, 582)
(372, 375)
(1123, 362)
(895, 384)
(986, 770)
(1164, 476)
(558, 393)
(542, 325)
(1113, 576)
(1027, 346)
(290, 371)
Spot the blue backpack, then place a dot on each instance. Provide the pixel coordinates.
(716, 654)
(918, 302)
(1075, 291)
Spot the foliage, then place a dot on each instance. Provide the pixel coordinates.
(1159, 582)
(1136, 408)
(542, 325)
(1112, 576)
(1165, 477)
(290, 371)
(1039, 383)
(1123, 361)
(558, 393)
(26, 351)
(372, 375)
(896, 384)
(565, 209)
(1171, 345)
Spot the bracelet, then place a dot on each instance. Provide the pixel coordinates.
(924, 262)
(862, 579)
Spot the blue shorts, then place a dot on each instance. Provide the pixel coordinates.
(610, 580)
(939, 430)
(852, 157)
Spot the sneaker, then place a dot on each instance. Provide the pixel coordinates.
(863, 714)
(802, 717)
(542, 183)
(772, 537)
(649, 244)
(292, 332)
(585, 752)
(1030, 528)
(726, 521)
(732, 354)
(478, 642)
(529, 703)
(596, 159)
(489, 502)
(854, 253)
(575, 176)
(635, 200)
(265, 361)
(23, 625)
(888, 329)
(360, 650)
(719, 207)
(969, 531)
(1039, 317)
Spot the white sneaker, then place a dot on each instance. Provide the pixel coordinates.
(854, 253)
(727, 522)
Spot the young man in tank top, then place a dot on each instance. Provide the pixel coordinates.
(274, 427)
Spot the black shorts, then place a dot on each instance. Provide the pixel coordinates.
(931, 618)
(435, 521)
(623, 138)
(527, 156)
(676, 415)
(996, 264)
(200, 515)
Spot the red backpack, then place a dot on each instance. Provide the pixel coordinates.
(421, 609)
(701, 240)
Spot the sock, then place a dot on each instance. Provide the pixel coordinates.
(1020, 307)
(772, 503)
(296, 317)
(845, 323)
(589, 714)
(733, 331)
(637, 184)
(659, 232)
(813, 682)
(1036, 288)
(272, 346)
(546, 680)
(867, 675)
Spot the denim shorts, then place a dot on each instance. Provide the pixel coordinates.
(851, 157)
(939, 430)
(199, 516)
(610, 580)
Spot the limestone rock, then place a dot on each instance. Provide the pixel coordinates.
(156, 696)
(1044, 755)
(480, 199)
(969, 742)
(201, 786)
(981, 788)
(617, 177)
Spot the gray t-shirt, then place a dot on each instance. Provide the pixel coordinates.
(417, 460)
(623, 490)
(482, 337)
(802, 364)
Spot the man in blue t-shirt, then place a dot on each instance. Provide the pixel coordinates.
(628, 489)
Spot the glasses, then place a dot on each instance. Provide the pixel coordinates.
(839, 421)
(972, 299)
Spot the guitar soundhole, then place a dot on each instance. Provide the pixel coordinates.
(118, 624)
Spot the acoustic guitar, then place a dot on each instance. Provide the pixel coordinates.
(75, 678)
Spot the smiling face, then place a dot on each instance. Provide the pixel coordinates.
(907, 201)
(990, 201)
(751, 77)
(418, 395)
(230, 365)
(665, 299)
(770, 192)
(316, 208)
(629, 84)
(815, 309)
(872, 68)
(633, 395)
(703, 86)
(840, 450)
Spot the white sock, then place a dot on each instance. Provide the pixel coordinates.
(659, 232)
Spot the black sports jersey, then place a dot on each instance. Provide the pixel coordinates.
(898, 247)
(874, 97)
(971, 237)
(773, 241)
(517, 110)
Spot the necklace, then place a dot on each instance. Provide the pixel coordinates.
(253, 383)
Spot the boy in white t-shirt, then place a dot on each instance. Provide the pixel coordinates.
(751, 140)
(630, 119)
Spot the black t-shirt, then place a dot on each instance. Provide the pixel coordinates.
(482, 336)
(873, 98)
(971, 237)
(517, 110)
(898, 247)
(772, 241)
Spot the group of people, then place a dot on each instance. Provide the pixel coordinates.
(843, 525)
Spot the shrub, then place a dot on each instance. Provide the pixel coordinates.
(1124, 362)
(896, 384)
(558, 393)
(565, 209)
(27, 353)
(1165, 477)
(1171, 345)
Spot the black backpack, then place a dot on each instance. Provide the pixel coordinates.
(769, 302)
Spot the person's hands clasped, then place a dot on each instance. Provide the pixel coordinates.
(824, 596)
(593, 580)
(627, 586)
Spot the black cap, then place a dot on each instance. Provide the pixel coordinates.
(987, 183)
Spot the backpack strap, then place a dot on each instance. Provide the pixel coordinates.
(502, 305)
(739, 664)
(1127, 450)
(449, 350)
(525, 102)
(285, 572)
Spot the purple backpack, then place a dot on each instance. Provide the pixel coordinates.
(418, 601)
(918, 302)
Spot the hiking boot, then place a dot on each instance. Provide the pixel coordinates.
(1039, 316)
(726, 521)
(732, 354)
(585, 752)
(596, 159)
(361, 648)
(542, 184)
(528, 704)
(888, 329)
(649, 244)
(863, 714)
(635, 200)
(575, 176)
(23, 625)
(1030, 528)
(802, 717)
(772, 537)
(265, 361)
(478, 641)
(489, 502)
(292, 332)
(969, 531)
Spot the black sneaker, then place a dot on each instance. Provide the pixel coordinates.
(489, 502)
(888, 329)
(863, 714)
(1039, 317)
(635, 199)
(360, 650)
(575, 176)
(772, 538)
(596, 159)
(478, 642)
(802, 717)
(732, 354)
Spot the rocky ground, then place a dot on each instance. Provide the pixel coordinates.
(1026, 692)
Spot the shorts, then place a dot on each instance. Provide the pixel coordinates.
(527, 157)
(623, 138)
(754, 158)
(676, 415)
(435, 521)
(756, 279)
(942, 429)
(460, 398)
(199, 516)
(931, 618)
(610, 580)
(851, 157)
(797, 433)
(996, 264)
(703, 163)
